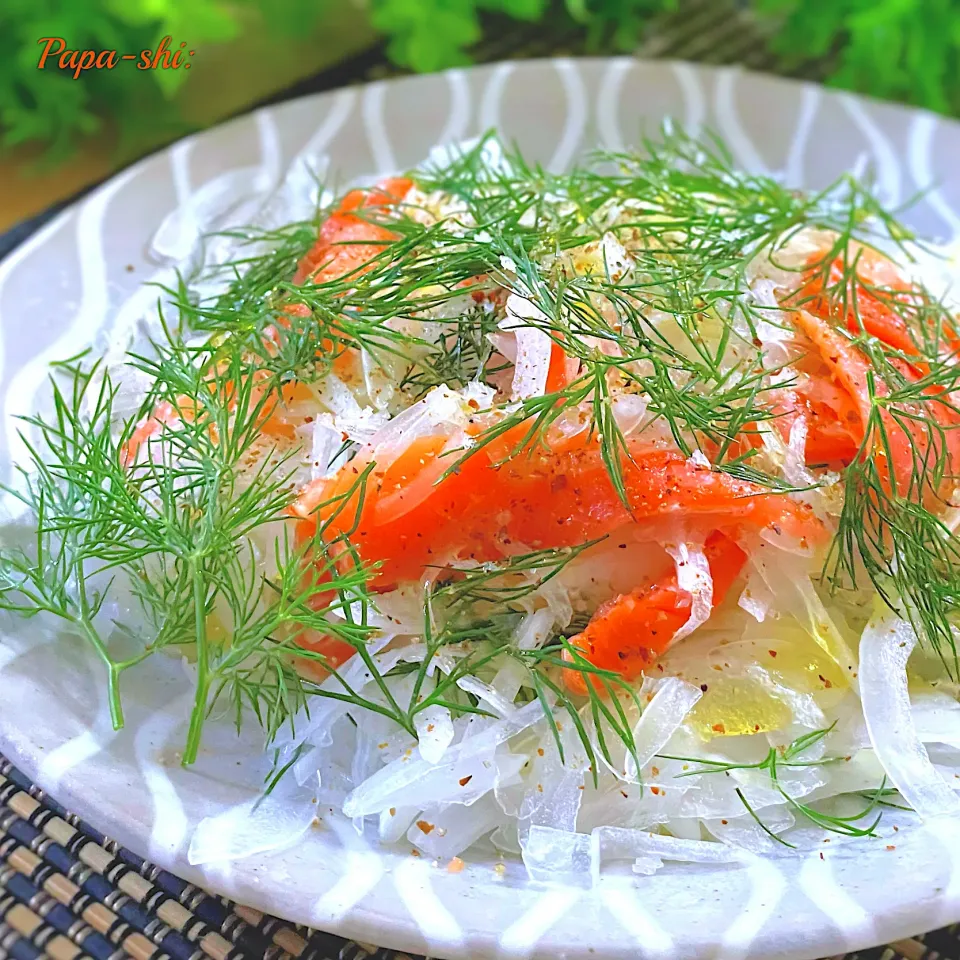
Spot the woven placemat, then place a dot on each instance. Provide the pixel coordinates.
(66, 890)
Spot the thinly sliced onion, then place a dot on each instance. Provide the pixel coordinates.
(462, 780)
(385, 786)
(795, 463)
(623, 843)
(861, 773)
(556, 789)
(505, 344)
(648, 850)
(771, 326)
(534, 347)
(806, 711)
(181, 230)
(616, 260)
(757, 598)
(478, 393)
(671, 703)
(557, 856)
(546, 781)
(381, 374)
(629, 410)
(686, 828)
(789, 581)
(693, 575)
(533, 631)
(885, 647)
(484, 692)
(366, 752)
(557, 597)
(400, 611)
(359, 424)
(444, 830)
(395, 821)
(323, 710)
(506, 838)
(434, 727)
(440, 407)
(508, 680)
(326, 440)
(299, 195)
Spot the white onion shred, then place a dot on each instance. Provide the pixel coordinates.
(181, 230)
(492, 697)
(557, 856)
(395, 821)
(534, 347)
(388, 784)
(534, 629)
(794, 464)
(444, 830)
(356, 423)
(773, 334)
(441, 407)
(757, 598)
(326, 441)
(669, 707)
(622, 843)
(629, 410)
(806, 710)
(616, 260)
(693, 575)
(885, 647)
(435, 732)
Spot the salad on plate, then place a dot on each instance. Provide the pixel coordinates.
(595, 516)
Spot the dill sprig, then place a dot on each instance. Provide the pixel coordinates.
(608, 695)
(896, 490)
(506, 582)
(171, 535)
(792, 756)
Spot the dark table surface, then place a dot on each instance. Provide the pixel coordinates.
(66, 890)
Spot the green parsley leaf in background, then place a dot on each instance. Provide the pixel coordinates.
(905, 50)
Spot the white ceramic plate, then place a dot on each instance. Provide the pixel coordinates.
(84, 272)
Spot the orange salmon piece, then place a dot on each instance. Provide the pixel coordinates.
(346, 241)
(539, 499)
(628, 633)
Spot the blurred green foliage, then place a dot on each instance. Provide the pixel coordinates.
(50, 107)
(903, 49)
